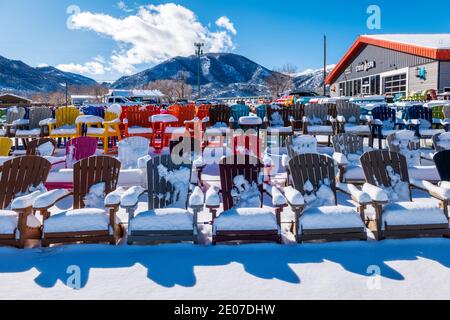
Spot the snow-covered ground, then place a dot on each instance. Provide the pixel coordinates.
(409, 269)
(389, 269)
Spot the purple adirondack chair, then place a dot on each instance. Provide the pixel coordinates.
(76, 149)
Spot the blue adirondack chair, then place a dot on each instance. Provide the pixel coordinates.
(383, 124)
(423, 130)
(261, 111)
(238, 111)
(94, 111)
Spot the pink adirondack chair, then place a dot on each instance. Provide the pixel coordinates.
(76, 149)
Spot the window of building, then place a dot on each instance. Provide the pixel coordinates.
(395, 85)
(365, 86)
(375, 85)
(342, 89)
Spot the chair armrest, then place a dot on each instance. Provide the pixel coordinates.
(113, 199)
(25, 202)
(440, 193)
(340, 159)
(294, 197)
(376, 194)
(341, 119)
(197, 199)
(49, 199)
(285, 161)
(331, 119)
(278, 199)
(376, 122)
(111, 123)
(213, 198)
(357, 195)
(47, 122)
(19, 122)
(130, 198)
(306, 119)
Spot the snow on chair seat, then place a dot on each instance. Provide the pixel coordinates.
(66, 130)
(428, 133)
(413, 214)
(79, 220)
(99, 131)
(320, 129)
(318, 219)
(273, 130)
(246, 219)
(28, 133)
(163, 220)
(139, 130)
(358, 129)
(9, 222)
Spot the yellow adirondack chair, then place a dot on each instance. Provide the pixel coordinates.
(64, 125)
(110, 129)
(5, 146)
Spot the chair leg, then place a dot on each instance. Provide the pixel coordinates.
(105, 145)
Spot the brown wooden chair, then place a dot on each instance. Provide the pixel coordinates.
(243, 217)
(217, 124)
(348, 149)
(82, 224)
(33, 146)
(319, 121)
(321, 218)
(397, 215)
(20, 175)
(280, 122)
(167, 217)
(349, 120)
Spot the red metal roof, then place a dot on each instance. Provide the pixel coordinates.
(431, 53)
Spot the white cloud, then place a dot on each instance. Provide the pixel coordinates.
(155, 33)
(42, 65)
(93, 68)
(225, 22)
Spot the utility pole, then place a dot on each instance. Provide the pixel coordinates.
(199, 52)
(67, 94)
(324, 63)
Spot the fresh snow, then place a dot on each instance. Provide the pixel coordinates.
(49, 198)
(46, 150)
(294, 197)
(304, 144)
(9, 220)
(88, 219)
(163, 220)
(96, 196)
(114, 197)
(244, 219)
(245, 194)
(376, 193)
(412, 213)
(212, 197)
(131, 196)
(197, 197)
(330, 217)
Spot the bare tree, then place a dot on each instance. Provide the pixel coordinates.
(172, 89)
(281, 81)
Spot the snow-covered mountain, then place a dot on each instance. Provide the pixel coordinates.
(17, 76)
(222, 75)
(310, 80)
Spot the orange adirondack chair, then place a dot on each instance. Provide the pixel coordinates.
(137, 122)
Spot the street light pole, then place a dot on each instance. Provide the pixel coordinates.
(199, 52)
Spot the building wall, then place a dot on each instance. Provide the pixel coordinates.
(415, 84)
(444, 75)
(385, 60)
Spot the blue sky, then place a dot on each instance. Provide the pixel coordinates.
(110, 39)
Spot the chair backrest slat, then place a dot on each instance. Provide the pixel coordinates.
(348, 143)
(314, 168)
(375, 163)
(91, 171)
(241, 165)
(159, 187)
(442, 161)
(20, 173)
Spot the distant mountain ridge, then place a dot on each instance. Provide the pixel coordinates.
(16, 75)
(222, 75)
